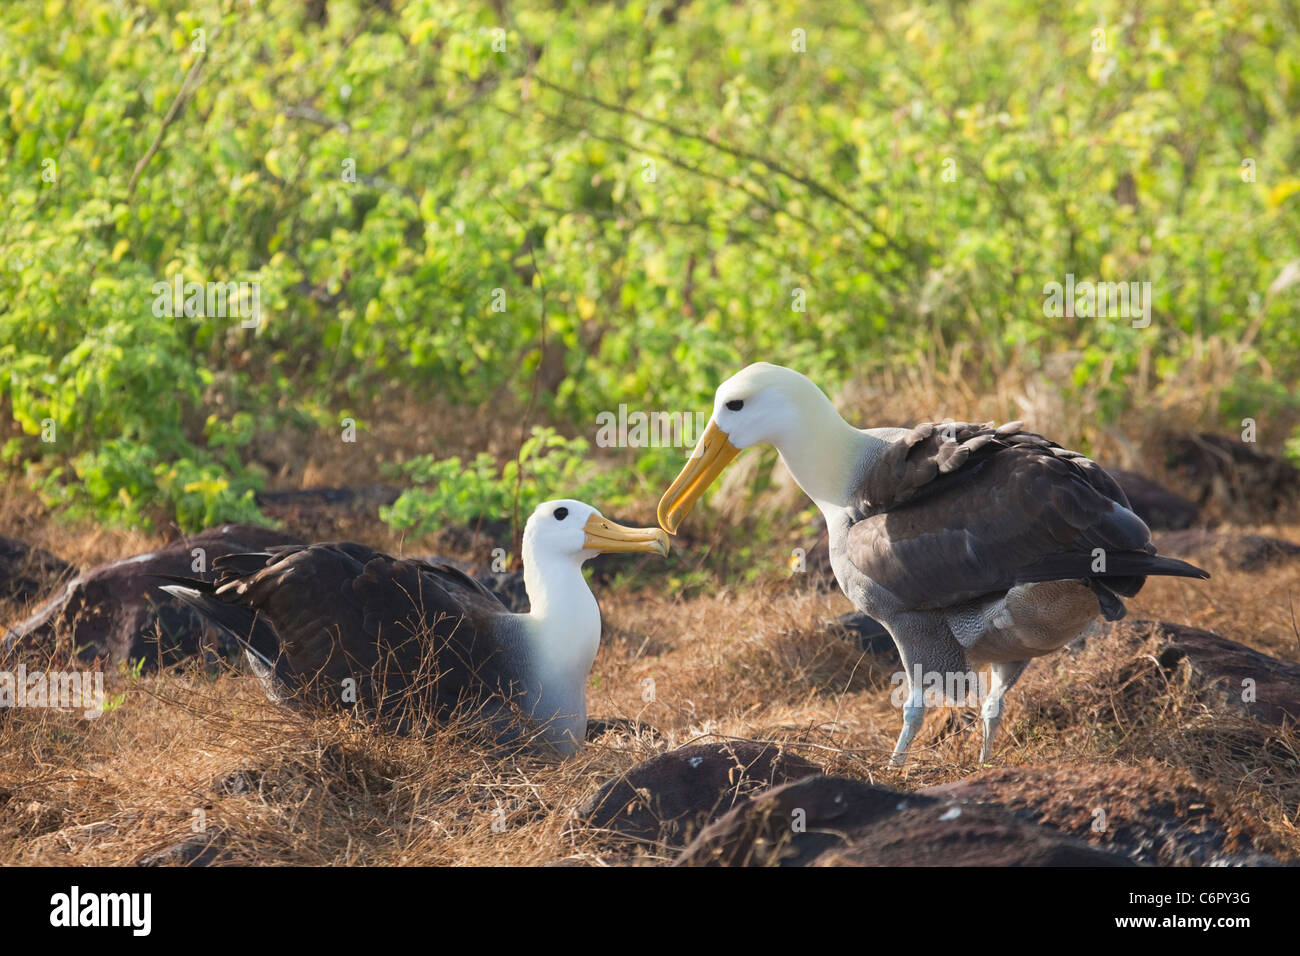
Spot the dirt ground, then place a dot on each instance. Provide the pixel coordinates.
(189, 749)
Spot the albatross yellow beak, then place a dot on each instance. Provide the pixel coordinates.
(609, 538)
(712, 454)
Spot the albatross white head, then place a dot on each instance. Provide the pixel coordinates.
(771, 404)
(559, 538)
(563, 623)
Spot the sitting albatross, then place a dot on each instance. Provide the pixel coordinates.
(971, 544)
(407, 641)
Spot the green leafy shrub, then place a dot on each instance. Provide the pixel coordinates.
(449, 491)
(409, 183)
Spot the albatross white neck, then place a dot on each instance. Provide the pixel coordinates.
(825, 454)
(563, 615)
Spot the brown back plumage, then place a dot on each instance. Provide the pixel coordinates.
(341, 624)
(955, 511)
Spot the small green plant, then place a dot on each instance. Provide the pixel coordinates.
(131, 670)
(449, 491)
(874, 203)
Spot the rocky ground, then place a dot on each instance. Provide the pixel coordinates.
(745, 724)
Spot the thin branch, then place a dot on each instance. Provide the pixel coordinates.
(730, 182)
(537, 375)
(780, 169)
(172, 113)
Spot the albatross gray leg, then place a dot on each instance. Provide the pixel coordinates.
(913, 717)
(928, 651)
(1004, 675)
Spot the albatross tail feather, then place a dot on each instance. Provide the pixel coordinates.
(1128, 564)
(1121, 575)
(1113, 564)
(239, 622)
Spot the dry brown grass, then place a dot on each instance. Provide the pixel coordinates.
(752, 663)
(749, 661)
(947, 384)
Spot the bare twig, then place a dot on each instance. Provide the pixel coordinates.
(537, 373)
(780, 169)
(185, 90)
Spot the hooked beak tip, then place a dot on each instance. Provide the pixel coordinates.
(668, 520)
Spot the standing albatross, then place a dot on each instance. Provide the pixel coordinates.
(971, 544)
(408, 641)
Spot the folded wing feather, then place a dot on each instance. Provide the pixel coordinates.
(955, 511)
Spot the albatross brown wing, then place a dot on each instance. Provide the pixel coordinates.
(342, 623)
(957, 511)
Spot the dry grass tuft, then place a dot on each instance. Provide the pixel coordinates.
(747, 661)
(275, 787)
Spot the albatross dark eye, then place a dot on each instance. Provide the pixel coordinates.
(561, 513)
(735, 405)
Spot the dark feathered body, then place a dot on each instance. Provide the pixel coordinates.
(954, 512)
(972, 545)
(341, 624)
(977, 546)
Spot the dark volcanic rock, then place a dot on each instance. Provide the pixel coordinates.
(26, 572)
(119, 611)
(1236, 552)
(323, 514)
(1238, 479)
(328, 497)
(867, 632)
(1233, 675)
(1142, 659)
(669, 797)
(1155, 504)
(835, 821)
(1153, 815)
(599, 726)
(199, 849)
